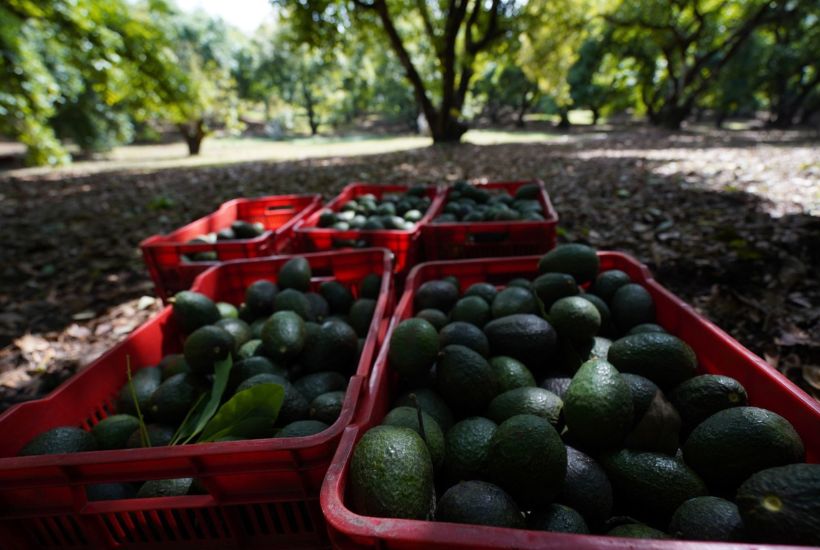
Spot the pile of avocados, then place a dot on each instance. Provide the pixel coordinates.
(471, 203)
(558, 404)
(238, 230)
(293, 333)
(396, 211)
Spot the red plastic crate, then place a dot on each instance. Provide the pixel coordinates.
(404, 244)
(462, 240)
(280, 214)
(717, 353)
(259, 491)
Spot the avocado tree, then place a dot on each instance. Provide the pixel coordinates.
(436, 43)
(682, 47)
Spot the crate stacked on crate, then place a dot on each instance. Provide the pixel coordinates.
(260, 492)
(453, 235)
(403, 242)
(716, 352)
(240, 228)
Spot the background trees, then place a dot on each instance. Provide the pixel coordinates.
(83, 76)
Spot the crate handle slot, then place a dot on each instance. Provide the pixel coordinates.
(488, 237)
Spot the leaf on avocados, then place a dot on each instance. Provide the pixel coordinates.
(203, 411)
(249, 413)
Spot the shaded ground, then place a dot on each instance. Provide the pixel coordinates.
(729, 221)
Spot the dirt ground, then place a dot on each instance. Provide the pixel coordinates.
(729, 221)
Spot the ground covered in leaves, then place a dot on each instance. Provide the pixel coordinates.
(730, 221)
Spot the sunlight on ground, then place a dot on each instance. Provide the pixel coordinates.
(216, 151)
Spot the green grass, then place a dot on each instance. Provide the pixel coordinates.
(227, 150)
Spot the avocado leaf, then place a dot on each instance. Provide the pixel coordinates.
(204, 410)
(248, 414)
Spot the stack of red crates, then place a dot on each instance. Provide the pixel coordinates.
(165, 255)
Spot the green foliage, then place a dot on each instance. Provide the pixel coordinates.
(203, 411)
(250, 413)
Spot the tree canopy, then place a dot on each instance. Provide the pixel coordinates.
(87, 75)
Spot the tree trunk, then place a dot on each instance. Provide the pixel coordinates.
(564, 123)
(720, 118)
(194, 133)
(446, 128)
(311, 112)
(671, 116)
(596, 114)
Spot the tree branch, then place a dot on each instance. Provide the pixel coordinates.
(491, 33)
(428, 26)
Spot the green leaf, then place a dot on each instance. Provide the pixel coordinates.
(249, 413)
(204, 410)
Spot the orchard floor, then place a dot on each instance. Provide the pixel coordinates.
(729, 220)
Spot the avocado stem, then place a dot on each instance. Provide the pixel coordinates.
(415, 402)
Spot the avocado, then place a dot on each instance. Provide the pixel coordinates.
(302, 428)
(665, 359)
(333, 346)
(479, 503)
(485, 291)
(521, 282)
(557, 385)
(732, 444)
(780, 504)
(707, 518)
(158, 436)
(313, 385)
(702, 396)
(113, 432)
(650, 486)
(244, 230)
(145, 382)
(511, 374)
(227, 311)
(170, 365)
(361, 314)
(193, 310)
(441, 295)
(528, 191)
(165, 488)
(632, 305)
(370, 286)
(558, 519)
(525, 337)
(407, 417)
(551, 287)
(327, 407)
(252, 366)
(586, 488)
(514, 300)
(429, 402)
(173, 399)
(259, 297)
(471, 309)
(608, 282)
(391, 475)
(636, 531)
(63, 439)
(537, 401)
(206, 346)
(527, 459)
(293, 300)
(578, 260)
(575, 318)
(295, 274)
(464, 334)
(433, 316)
(319, 308)
(607, 327)
(465, 380)
(284, 335)
(238, 329)
(467, 445)
(414, 347)
(645, 327)
(338, 297)
(598, 406)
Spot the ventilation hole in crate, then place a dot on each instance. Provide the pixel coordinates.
(40, 533)
(244, 514)
(195, 522)
(77, 529)
(307, 517)
(219, 523)
(113, 527)
(274, 512)
(182, 524)
(290, 515)
(153, 526)
(137, 532)
(268, 521)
